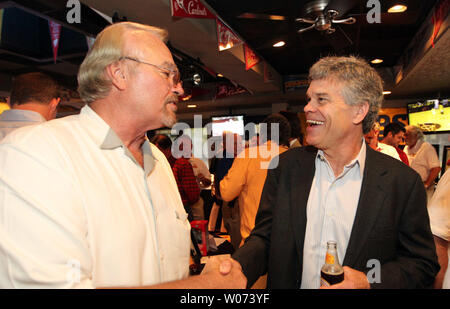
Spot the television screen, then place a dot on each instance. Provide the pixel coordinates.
(432, 116)
(233, 124)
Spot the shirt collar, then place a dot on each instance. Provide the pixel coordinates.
(360, 159)
(111, 141)
(416, 147)
(21, 115)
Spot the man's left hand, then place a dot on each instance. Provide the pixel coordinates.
(353, 279)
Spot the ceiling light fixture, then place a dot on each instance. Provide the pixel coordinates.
(192, 106)
(186, 98)
(279, 44)
(386, 92)
(197, 79)
(376, 61)
(398, 8)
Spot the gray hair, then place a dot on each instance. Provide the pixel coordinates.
(107, 49)
(361, 83)
(415, 130)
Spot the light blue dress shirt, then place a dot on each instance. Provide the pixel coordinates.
(12, 119)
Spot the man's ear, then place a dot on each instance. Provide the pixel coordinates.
(360, 112)
(55, 102)
(53, 105)
(116, 73)
(50, 111)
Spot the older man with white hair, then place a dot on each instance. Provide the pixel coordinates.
(86, 201)
(422, 157)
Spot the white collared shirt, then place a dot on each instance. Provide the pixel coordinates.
(422, 158)
(439, 211)
(388, 150)
(12, 119)
(76, 210)
(330, 212)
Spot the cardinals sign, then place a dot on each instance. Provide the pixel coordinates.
(189, 8)
(55, 32)
(225, 36)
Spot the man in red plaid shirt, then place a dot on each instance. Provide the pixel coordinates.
(183, 172)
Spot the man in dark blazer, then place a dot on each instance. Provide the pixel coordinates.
(389, 226)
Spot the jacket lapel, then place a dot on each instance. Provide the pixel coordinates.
(301, 178)
(370, 202)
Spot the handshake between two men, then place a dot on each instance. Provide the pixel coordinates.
(226, 273)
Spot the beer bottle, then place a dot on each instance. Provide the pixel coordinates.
(331, 272)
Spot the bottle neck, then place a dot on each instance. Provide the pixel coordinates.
(331, 256)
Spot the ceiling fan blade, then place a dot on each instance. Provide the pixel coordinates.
(261, 16)
(341, 6)
(305, 20)
(348, 21)
(305, 29)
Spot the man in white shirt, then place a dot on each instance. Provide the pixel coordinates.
(372, 140)
(422, 157)
(86, 201)
(339, 189)
(34, 99)
(439, 210)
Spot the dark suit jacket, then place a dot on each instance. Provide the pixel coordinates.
(391, 224)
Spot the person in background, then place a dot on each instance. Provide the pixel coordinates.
(339, 189)
(245, 179)
(439, 211)
(231, 147)
(422, 157)
(86, 200)
(394, 134)
(254, 140)
(183, 172)
(296, 138)
(184, 148)
(372, 140)
(34, 99)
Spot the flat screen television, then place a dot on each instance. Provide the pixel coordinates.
(233, 124)
(432, 116)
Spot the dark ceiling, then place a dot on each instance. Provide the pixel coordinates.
(25, 46)
(387, 40)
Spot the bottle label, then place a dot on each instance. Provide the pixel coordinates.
(324, 282)
(329, 259)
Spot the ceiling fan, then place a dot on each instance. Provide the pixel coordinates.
(321, 17)
(320, 14)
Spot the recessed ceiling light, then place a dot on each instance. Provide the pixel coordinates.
(387, 92)
(186, 98)
(192, 106)
(219, 75)
(376, 61)
(279, 44)
(398, 8)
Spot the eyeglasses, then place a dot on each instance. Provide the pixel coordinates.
(173, 74)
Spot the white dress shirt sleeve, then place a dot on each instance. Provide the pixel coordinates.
(42, 224)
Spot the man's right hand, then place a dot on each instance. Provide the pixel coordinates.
(224, 273)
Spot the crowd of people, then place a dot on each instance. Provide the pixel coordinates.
(89, 201)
